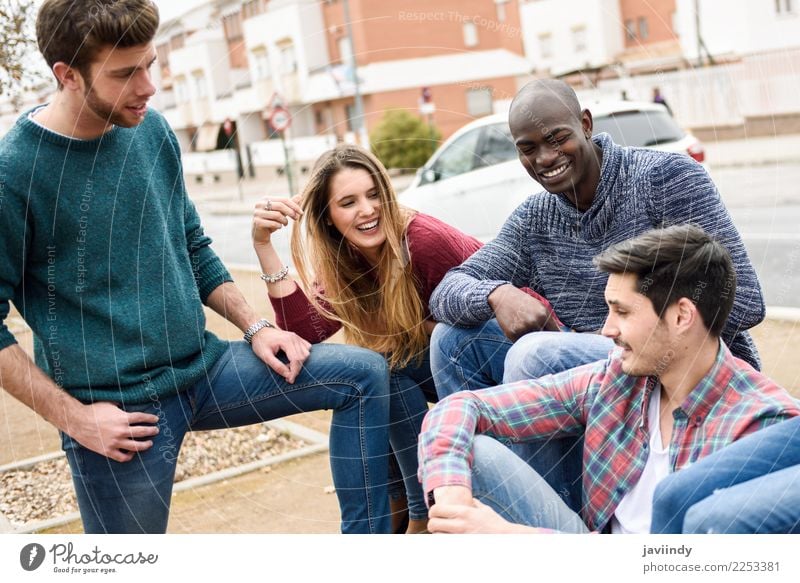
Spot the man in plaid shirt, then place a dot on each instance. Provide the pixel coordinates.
(670, 394)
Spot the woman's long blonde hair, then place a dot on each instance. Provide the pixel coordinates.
(379, 307)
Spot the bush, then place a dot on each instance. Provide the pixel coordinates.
(402, 140)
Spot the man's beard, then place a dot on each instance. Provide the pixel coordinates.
(105, 110)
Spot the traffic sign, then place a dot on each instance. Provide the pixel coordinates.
(280, 119)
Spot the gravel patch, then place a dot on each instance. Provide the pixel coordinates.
(45, 491)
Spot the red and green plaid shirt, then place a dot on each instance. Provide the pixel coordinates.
(610, 408)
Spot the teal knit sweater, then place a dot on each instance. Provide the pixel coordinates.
(103, 254)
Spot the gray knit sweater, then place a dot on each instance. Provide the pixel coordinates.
(548, 245)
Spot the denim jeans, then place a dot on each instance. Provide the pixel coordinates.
(751, 486)
(240, 389)
(480, 357)
(503, 481)
(411, 387)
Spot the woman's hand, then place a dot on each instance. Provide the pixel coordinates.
(272, 214)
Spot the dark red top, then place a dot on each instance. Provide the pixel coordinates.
(434, 248)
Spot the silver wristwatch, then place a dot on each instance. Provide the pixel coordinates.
(251, 331)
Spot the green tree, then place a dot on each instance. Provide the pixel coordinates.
(17, 46)
(402, 140)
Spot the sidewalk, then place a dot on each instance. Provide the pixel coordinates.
(291, 497)
(760, 151)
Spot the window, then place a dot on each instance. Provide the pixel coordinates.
(345, 51)
(162, 51)
(479, 101)
(176, 42)
(200, 88)
(639, 128)
(252, 8)
(546, 45)
(181, 93)
(501, 9)
(350, 112)
(261, 62)
(459, 157)
(644, 32)
(287, 56)
(579, 39)
(232, 24)
(676, 29)
(470, 34)
(497, 146)
(630, 30)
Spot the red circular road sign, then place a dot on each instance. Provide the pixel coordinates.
(280, 119)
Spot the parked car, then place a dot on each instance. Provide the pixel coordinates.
(474, 180)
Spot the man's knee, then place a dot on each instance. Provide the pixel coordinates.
(444, 340)
(367, 370)
(709, 517)
(534, 355)
(490, 462)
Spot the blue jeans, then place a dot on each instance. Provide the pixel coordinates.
(751, 486)
(134, 496)
(503, 481)
(476, 358)
(411, 387)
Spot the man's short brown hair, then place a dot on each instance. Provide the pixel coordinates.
(677, 262)
(73, 31)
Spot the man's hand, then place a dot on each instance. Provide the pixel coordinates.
(106, 429)
(476, 518)
(518, 313)
(268, 342)
(457, 512)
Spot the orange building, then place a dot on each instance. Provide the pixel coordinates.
(651, 38)
(468, 53)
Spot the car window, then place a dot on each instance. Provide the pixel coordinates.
(497, 145)
(639, 128)
(458, 157)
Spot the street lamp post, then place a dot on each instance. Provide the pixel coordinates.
(358, 125)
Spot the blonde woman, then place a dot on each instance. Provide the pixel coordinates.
(371, 266)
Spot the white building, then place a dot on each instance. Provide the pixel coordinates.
(735, 28)
(562, 36)
(229, 62)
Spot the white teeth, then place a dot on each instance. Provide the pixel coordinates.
(555, 172)
(368, 226)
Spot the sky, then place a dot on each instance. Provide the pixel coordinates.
(172, 8)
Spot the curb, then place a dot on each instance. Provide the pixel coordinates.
(318, 441)
(783, 314)
(752, 163)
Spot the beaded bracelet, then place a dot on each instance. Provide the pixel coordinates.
(276, 277)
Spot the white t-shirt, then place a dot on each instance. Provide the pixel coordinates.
(633, 514)
(31, 115)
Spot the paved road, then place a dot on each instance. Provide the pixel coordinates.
(764, 201)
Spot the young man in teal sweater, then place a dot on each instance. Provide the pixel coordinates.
(103, 254)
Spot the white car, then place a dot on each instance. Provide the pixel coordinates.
(475, 180)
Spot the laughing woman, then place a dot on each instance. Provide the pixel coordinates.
(370, 266)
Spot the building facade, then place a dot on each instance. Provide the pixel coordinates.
(228, 63)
